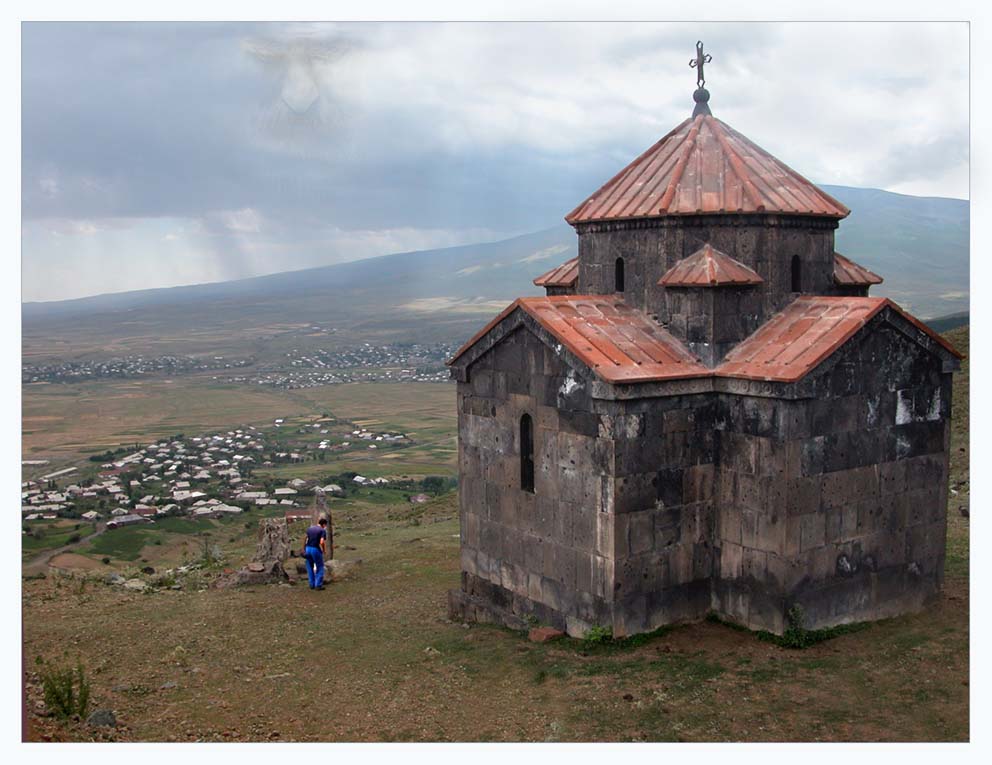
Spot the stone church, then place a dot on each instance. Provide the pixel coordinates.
(706, 413)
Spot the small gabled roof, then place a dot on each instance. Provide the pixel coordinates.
(847, 273)
(792, 343)
(565, 275)
(619, 343)
(704, 166)
(708, 267)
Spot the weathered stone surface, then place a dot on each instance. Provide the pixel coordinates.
(657, 503)
(336, 570)
(272, 549)
(273, 541)
(102, 718)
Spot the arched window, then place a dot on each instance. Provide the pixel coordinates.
(618, 275)
(797, 274)
(526, 453)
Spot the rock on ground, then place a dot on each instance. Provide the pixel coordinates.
(266, 566)
(102, 718)
(273, 541)
(340, 569)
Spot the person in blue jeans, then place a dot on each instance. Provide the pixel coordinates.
(314, 550)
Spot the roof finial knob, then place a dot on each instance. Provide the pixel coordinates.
(702, 95)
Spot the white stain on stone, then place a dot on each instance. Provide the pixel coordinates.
(570, 385)
(934, 412)
(872, 411)
(903, 446)
(904, 407)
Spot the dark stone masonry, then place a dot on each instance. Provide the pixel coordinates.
(710, 447)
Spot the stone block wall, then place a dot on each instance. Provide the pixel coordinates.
(546, 553)
(830, 493)
(763, 242)
(664, 510)
(712, 320)
(836, 502)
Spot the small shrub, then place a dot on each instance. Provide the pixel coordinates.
(598, 634)
(66, 691)
(105, 560)
(795, 635)
(73, 539)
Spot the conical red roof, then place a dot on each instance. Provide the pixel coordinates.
(705, 166)
(848, 273)
(565, 275)
(708, 267)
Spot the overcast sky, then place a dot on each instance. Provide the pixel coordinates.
(157, 154)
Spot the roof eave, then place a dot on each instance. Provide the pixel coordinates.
(573, 221)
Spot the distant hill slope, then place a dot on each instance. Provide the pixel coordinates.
(919, 245)
(494, 270)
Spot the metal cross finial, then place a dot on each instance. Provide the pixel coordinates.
(697, 63)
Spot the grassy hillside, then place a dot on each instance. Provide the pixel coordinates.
(193, 665)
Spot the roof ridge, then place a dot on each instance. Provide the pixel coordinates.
(735, 164)
(792, 173)
(690, 146)
(711, 262)
(709, 267)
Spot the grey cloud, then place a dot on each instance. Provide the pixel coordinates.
(405, 127)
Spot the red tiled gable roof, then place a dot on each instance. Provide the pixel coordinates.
(705, 166)
(565, 275)
(708, 267)
(847, 273)
(622, 345)
(789, 345)
(619, 343)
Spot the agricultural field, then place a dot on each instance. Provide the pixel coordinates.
(51, 535)
(67, 421)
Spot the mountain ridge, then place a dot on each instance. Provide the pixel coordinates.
(895, 235)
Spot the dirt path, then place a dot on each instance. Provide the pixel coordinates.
(40, 562)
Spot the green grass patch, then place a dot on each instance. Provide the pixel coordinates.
(51, 535)
(124, 543)
(795, 636)
(182, 525)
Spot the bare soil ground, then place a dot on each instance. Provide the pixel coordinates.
(72, 561)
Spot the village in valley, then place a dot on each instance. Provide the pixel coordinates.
(217, 475)
(325, 364)
(124, 367)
